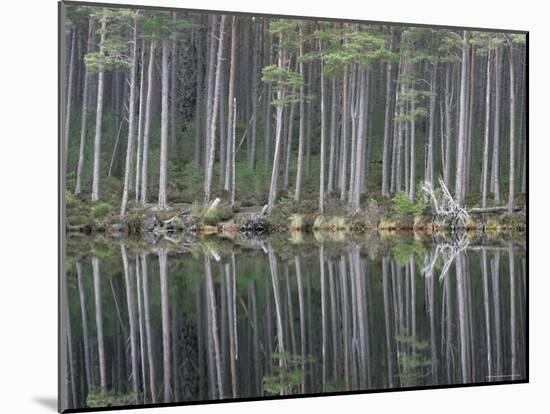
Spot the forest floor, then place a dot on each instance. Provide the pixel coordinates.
(377, 213)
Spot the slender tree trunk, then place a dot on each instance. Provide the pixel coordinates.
(200, 99)
(211, 138)
(448, 128)
(288, 150)
(278, 136)
(163, 179)
(323, 134)
(430, 162)
(147, 125)
(461, 147)
(131, 123)
(386, 152)
(300, 155)
(344, 136)
(231, 95)
(85, 103)
(69, 96)
(512, 131)
(496, 129)
(173, 85)
(255, 74)
(485, 165)
(99, 116)
(140, 123)
(332, 150)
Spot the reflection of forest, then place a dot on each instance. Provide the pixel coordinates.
(164, 326)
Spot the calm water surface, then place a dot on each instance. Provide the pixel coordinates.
(172, 320)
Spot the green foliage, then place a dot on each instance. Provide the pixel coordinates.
(69, 198)
(282, 79)
(209, 215)
(403, 205)
(101, 210)
(100, 250)
(94, 399)
(402, 251)
(288, 372)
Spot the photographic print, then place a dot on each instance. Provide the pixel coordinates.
(259, 206)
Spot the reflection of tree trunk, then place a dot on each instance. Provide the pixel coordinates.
(141, 326)
(449, 330)
(513, 338)
(70, 376)
(200, 337)
(462, 318)
(231, 307)
(323, 315)
(255, 340)
(277, 296)
(162, 254)
(148, 329)
(85, 335)
(431, 313)
(213, 324)
(486, 304)
(334, 320)
(302, 317)
(495, 272)
(290, 309)
(131, 317)
(345, 318)
(99, 326)
(387, 318)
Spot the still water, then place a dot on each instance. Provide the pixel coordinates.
(153, 321)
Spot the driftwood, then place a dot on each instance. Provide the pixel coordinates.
(476, 210)
(445, 207)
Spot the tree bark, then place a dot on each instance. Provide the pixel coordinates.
(99, 116)
(147, 125)
(211, 139)
(131, 123)
(163, 179)
(85, 103)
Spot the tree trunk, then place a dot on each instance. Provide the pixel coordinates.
(231, 95)
(85, 102)
(496, 128)
(485, 163)
(211, 138)
(300, 161)
(163, 179)
(278, 136)
(173, 84)
(141, 102)
(99, 116)
(512, 132)
(147, 125)
(344, 136)
(386, 152)
(332, 150)
(69, 97)
(461, 148)
(323, 133)
(131, 123)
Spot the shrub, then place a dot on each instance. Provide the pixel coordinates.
(101, 210)
(404, 206)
